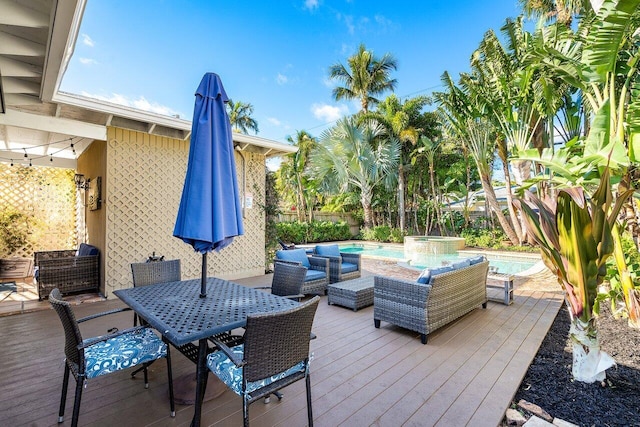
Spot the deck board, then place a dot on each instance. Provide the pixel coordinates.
(467, 374)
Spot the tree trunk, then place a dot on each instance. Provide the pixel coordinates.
(401, 192)
(495, 207)
(521, 170)
(365, 199)
(589, 362)
(517, 228)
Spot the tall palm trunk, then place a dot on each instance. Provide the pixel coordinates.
(302, 203)
(517, 227)
(368, 211)
(492, 200)
(401, 193)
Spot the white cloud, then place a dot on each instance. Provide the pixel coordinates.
(88, 61)
(384, 24)
(329, 113)
(348, 20)
(281, 79)
(140, 103)
(87, 41)
(274, 121)
(327, 82)
(311, 4)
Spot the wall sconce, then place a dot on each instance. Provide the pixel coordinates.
(81, 182)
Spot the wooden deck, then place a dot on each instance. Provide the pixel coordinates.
(466, 375)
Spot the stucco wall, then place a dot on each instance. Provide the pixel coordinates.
(91, 223)
(141, 194)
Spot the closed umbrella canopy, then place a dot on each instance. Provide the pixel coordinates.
(210, 214)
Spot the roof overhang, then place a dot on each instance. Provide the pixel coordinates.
(37, 40)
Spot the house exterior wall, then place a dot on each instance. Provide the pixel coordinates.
(91, 223)
(141, 194)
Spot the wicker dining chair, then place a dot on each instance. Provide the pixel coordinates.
(93, 357)
(287, 280)
(150, 273)
(274, 355)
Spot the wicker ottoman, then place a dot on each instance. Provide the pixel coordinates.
(354, 294)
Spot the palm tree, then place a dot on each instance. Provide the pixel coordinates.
(348, 155)
(365, 77)
(402, 121)
(562, 11)
(240, 117)
(461, 114)
(292, 172)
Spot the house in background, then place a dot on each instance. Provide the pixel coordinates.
(132, 162)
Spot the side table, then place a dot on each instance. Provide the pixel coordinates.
(501, 281)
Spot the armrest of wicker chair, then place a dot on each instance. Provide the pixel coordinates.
(319, 263)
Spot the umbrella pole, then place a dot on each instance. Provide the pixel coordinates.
(203, 279)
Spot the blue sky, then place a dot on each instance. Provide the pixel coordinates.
(151, 54)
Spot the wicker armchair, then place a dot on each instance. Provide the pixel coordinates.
(342, 265)
(274, 355)
(93, 357)
(317, 277)
(68, 270)
(426, 307)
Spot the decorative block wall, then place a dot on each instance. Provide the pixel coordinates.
(49, 201)
(141, 195)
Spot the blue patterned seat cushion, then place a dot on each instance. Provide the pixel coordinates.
(123, 351)
(298, 255)
(231, 375)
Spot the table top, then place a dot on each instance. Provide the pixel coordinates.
(177, 311)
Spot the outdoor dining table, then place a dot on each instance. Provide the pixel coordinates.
(177, 311)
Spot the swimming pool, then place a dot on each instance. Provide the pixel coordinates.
(509, 264)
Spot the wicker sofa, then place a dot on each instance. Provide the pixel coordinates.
(68, 270)
(425, 307)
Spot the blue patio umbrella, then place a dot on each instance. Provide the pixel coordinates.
(210, 214)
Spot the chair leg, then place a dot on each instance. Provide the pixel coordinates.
(76, 402)
(134, 373)
(146, 374)
(309, 409)
(245, 412)
(170, 375)
(63, 398)
(423, 338)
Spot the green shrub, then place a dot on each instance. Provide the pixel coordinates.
(316, 231)
(484, 238)
(383, 233)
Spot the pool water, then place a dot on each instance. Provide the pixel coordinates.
(501, 263)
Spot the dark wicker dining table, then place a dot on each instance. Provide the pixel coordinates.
(176, 310)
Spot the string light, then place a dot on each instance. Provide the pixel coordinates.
(27, 156)
(30, 163)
